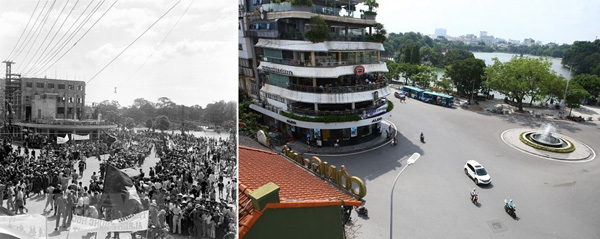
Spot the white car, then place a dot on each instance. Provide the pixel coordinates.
(476, 172)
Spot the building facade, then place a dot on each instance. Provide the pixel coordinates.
(32, 99)
(325, 93)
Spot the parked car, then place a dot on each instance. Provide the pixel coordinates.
(476, 172)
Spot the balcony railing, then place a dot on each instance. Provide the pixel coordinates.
(263, 33)
(311, 112)
(318, 9)
(337, 89)
(321, 61)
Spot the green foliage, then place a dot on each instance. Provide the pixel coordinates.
(250, 119)
(307, 3)
(456, 55)
(379, 35)
(319, 30)
(591, 83)
(570, 149)
(424, 76)
(466, 75)
(519, 77)
(390, 106)
(149, 124)
(322, 119)
(371, 4)
(162, 122)
(575, 95)
(445, 85)
(407, 70)
(584, 57)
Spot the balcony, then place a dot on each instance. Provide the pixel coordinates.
(312, 112)
(317, 9)
(263, 33)
(338, 89)
(321, 61)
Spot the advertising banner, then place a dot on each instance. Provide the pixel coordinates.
(80, 137)
(28, 226)
(353, 132)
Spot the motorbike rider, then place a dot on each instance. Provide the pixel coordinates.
(473, 193)
(511, 205)
(422, 137)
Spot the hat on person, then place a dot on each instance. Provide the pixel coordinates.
(197, 205)
(180, 195)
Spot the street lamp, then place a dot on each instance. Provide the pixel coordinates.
(413, 158)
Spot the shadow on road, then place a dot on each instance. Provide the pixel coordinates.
(486, 186)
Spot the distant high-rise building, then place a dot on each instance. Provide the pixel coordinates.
(482, 34)
(440, 32)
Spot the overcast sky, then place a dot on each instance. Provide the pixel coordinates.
(196, 64)
(560, 21)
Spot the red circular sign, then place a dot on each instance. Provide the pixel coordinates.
(359, 70)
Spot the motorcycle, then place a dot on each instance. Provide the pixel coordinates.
(422, 138)
(394, 141)
(474, 198)
(510, 210)
(362, 211)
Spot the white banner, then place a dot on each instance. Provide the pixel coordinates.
(61, 140)
(136, 222)
(80, 137)
(29, 226)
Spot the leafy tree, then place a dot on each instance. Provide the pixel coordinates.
(371, 4)
(162, 123)
(575, 95)
(466, 75)
(128, 123)
(518, 77)
(582, 56)
(551, 88)
(249, 120)
(589, 82)
(135, 114)
(425, 75)
(407, 71)
(393, 72)
(456, 55)
(415, 57)
(380, 33)
(445, 85)
(149, 124)
(308, 3)
(319, 30)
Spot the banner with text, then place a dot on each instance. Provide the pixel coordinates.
(80, 137)
(30, 226)
(136, 222)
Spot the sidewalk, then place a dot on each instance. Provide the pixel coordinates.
(302, 148)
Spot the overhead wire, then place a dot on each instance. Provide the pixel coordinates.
(39, 31)
(25, 29)
(42, 56)
(40, 70)
(162, 41)
(59, 45)
(45, 38)
(130, 44)
(18, 52)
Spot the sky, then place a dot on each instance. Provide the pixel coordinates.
(558, 21)
(196, 64)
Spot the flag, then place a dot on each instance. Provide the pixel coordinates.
(23, 226)
(119, 192)
(61, 140)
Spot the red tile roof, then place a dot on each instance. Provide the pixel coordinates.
(298, 186)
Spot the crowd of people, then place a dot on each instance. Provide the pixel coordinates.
(190, 191)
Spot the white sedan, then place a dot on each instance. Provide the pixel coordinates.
(476, 172)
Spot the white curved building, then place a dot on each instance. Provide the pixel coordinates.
(325, 92)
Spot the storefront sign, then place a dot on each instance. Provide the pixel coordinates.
(359, 70)
(317, 133)
(290, 121)
(278, 70)
(377, 120)
(378, 111)
(353, 184)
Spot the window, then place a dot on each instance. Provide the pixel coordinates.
(79, 100)
(60, 110)
(240, 47)
(28, 84)
(26, 98)
(79, 87)
(69, 110)
(39, 85)
(50, 85)
(61, 86)
(71, 87)
(70, 99)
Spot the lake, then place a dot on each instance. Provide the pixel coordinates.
(504, 57)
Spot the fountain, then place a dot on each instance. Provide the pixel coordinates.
(545, 139)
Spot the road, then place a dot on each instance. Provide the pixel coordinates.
(553, 199)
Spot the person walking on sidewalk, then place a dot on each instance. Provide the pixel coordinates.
(61, 207)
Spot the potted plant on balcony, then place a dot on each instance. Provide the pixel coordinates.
(370, 14)
(302, 5)
(319, 30)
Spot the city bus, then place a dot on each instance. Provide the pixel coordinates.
(412, 92)
(437, 98)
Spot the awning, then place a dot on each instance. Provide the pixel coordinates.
(319, 72)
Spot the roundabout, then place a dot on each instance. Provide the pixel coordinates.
(548, 145)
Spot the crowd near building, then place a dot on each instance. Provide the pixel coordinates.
(323, 93)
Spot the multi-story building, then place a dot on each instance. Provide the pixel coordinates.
(328, 93)
(44, 99)
(247, 65)
(440, 32)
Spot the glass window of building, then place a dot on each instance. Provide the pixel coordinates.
(39, 85)
(70, 99)
(28, 84)
(71, 87)
(60, 110)
(50, 85)
(79, 100)
(79, 87)
(61, 86)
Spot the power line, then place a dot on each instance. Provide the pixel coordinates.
(46, 37)
(22, 33)
(39, 30)
(42, 56)
(162, 41)
(73, 35)
(18, 52)
(59, 45)
(157, 20)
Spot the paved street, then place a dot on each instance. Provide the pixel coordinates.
(431, 199)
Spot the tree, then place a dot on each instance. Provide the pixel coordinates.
(425, 74)
(591, 83)
(575, 95)
(371, 4)
(407, 71)
(162, 123)
(319, 30)
(466, 75)
(380, 33)
(128, 123)
(519, 77)
(446, 85)
(150, 124)
(456, 55)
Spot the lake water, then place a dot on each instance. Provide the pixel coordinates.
(504, 57)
